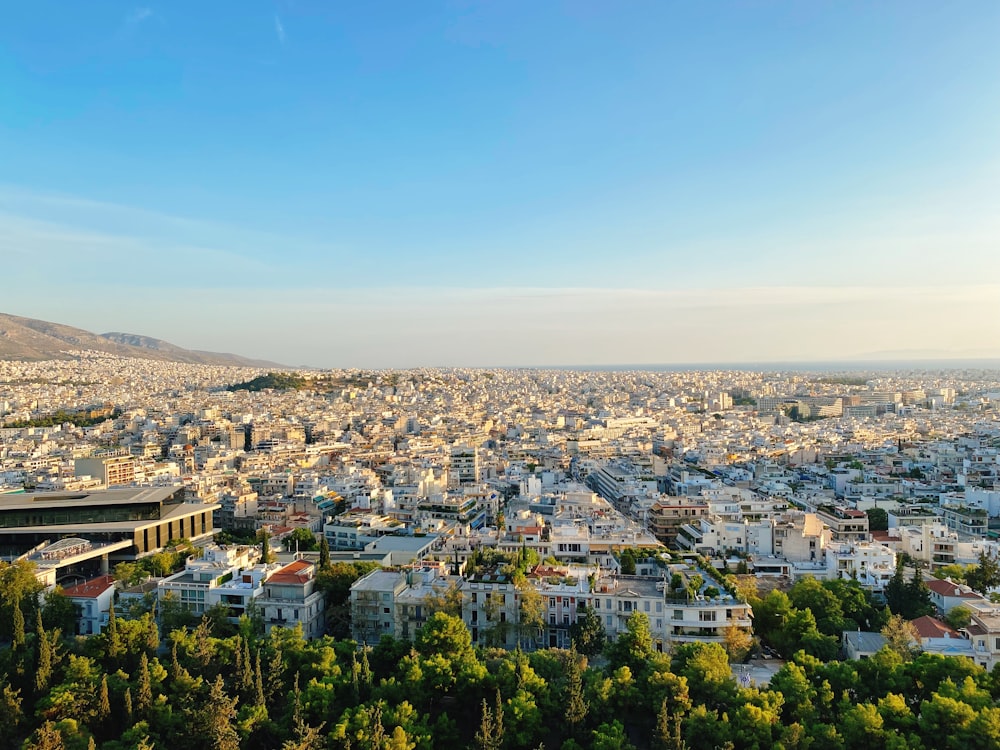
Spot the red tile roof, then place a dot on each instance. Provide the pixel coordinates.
(929, 627)
(950, 588)
(90, 589)
(296, 572)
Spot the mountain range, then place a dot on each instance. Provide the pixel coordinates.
(29, 339)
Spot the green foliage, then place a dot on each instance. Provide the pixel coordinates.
(219, 689)
(878, 519)
(587, 633)
(302, 539)
(278, 381)
(83, 418)
(985, 576)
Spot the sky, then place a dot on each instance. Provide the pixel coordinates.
(401, 184)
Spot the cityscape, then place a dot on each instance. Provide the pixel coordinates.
(776, 522)
(576, 375)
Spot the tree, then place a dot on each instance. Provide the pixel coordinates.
(737, 641)
(302, 540)
(901, 637)
(587, 633)
(47, 737)
(58, 612)
(985, 576)
(895, 590)
(575, 703)
(489, 736)
(266, 556)
(216, 719)
(918, 597)
(959, 617)
(324, 552)
(878, 519)
(530, 613)
(633, 647)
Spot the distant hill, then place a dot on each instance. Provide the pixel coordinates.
(29, 339)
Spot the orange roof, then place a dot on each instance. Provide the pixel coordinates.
(295, 572)
(949, 588)
(90, 589)
(929, 627)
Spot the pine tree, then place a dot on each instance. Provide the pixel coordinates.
(217, 719)
(305, 737)
(48, 737)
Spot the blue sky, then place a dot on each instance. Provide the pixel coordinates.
(466, 183)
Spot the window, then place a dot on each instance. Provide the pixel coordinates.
(475, 597)
(678, 614)
(707, 616)
(645, 606)
(552, 601)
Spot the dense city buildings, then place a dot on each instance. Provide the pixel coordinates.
(780, 475)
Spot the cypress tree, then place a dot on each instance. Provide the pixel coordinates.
(144, 695)
(43, 672)
(324, 553)
(258, 682)
(103, 700)
(17, 636)
(115, 647)
(129, 717)
(244, 669)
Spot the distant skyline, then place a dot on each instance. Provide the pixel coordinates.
(516, 183)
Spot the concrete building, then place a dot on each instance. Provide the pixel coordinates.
(113, 469)
(290, 598)
(146, 517)
(92, 600)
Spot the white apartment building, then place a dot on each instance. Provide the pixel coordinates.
(872, 564)
(290, 598)
(227, 575)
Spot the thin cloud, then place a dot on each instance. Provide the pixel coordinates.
(138, 15)
(279, 29)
